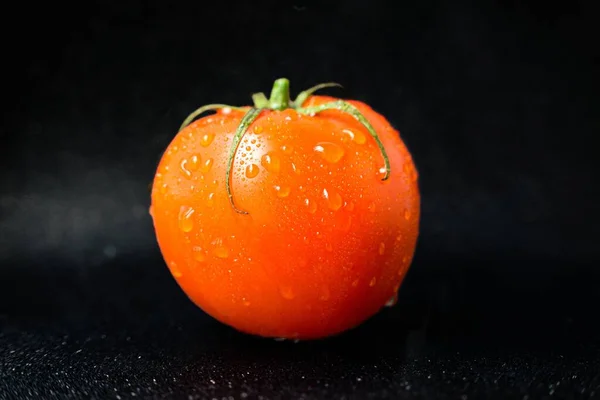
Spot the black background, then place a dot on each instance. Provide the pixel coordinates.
(497, 102)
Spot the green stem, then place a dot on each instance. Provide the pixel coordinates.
(202, 110)
(279, 101)
(348, 108)
(246, 121)
(280, 95)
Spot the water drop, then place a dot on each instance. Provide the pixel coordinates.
(392, 301)
(245, 302)
(252, 171)
(346, 224)
(287, 149)
(311, 205)
(328, 247)
(381, 173)
(373, 282)
(358, 137)
(406, 214)
(258, 129)
(404, 260)
(271, 162)
(334, 199)
(287, 292)
(248, 148)
(221, 251)
(210, 200)
(330, 152)
(207, 139)
(175, 271)
(381, 248)
(163, 188)
(194, 162)
(282, 191)
(399, 237)
(207, 165)
(324, 294)
(186, 223)
(199, 254)
(184, 169)
(355, 283)
(372, 207)
(350, 206)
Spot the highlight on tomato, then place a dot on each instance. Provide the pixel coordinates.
(287, 218)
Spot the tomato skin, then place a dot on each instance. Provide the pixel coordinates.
(325, 244)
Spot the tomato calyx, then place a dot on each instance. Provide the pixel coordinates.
(280, 100)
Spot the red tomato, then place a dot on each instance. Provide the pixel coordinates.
(292, 219)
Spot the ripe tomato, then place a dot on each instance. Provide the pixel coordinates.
(293, 219)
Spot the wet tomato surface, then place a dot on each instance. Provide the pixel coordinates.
(293, 219)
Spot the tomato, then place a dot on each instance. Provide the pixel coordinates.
(290, 219)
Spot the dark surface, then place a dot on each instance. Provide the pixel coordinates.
(497, 102)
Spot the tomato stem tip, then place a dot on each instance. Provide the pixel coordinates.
(280, 95)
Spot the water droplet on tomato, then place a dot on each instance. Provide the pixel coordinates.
(252, 171)
(399, 237)
(175, 271)
(346, 224)
(282, 191)
(258, 129)
(381, 173)
(334, 199)
(406, 214)
(328, 247)
(381, 248)
(373, 282)
(198, 253)
(372, 207)
(221, 251)
(330, 152)
(358, 137)
(350, 207)
(355, 283)
(287, 149)
(271, 162)
(392, 301)
(245, 302)
(207, 139)
(193, 163)
(210, 200)
(404, 260)
(287, 292)
(325, 294)
(163, 188)
(311, 205)
(184, 169)
(207, 165)
(186, 223)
